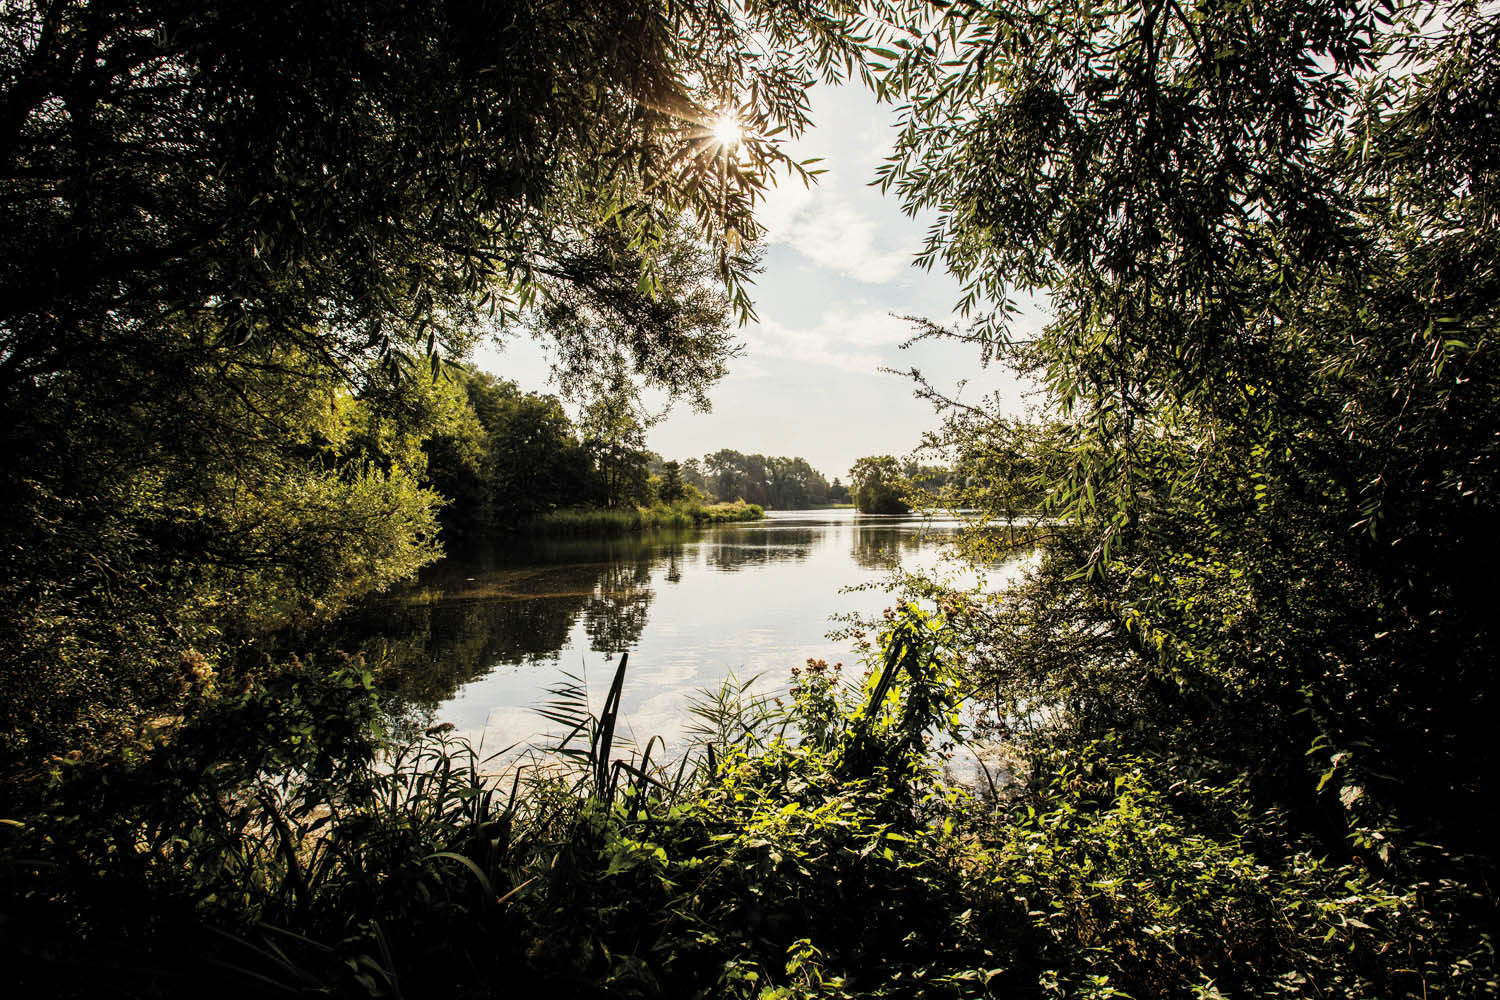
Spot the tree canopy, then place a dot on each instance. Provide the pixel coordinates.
(1244, 684)
(877, 486)
(234, 238)
(1269, 237)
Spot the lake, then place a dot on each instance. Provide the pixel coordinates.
(479, 639)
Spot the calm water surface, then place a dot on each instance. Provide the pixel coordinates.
(480, 639)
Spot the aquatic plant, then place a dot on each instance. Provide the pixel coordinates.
(606, 523)
(808, 848)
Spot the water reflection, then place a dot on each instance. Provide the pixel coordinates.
(880, 545)
(431, 639)
(673, 553)
(427, 649)
(614, 616)
(479, 639)
(754, 546)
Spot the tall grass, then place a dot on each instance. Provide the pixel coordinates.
(594, 522)
(273, 845)
(810, 851)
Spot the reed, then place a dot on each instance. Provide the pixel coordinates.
(799, 850)
(594, 522)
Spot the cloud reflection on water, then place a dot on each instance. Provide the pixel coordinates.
(478, 639)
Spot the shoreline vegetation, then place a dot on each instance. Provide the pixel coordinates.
(605, 523)
(1248, 691)
(793, 851)
(598, 522)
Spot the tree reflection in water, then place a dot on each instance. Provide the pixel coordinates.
(424, 650)
(725, 595)
(879, 545)
(615, 613)
(757, 546)
(428, 640)
(673, 552)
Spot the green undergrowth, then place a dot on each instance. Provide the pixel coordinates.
(814, 849)
(607, 523)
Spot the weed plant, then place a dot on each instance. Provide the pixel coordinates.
(592, 522)
(808, 849)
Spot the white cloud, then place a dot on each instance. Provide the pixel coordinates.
(750, 368)
(840, 339)
(783, 204)
(867, 328)
(825, 225)
(809, 346)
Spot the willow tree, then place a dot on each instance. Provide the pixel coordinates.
(219, 222)
(1269, 236)
(877, 486)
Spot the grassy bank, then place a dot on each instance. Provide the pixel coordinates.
(606, 523)
(814, 850)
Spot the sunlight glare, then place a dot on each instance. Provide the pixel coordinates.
(727, 132)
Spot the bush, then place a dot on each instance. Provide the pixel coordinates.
(814, 850)
(607, 523)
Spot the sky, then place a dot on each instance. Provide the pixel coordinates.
(837, 275)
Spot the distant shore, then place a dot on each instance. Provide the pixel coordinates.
(599, 522)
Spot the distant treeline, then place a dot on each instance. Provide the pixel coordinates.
(511, 456)
(792, 484)
(777, 481)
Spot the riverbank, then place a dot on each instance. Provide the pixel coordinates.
(607, 523)
(277, 842)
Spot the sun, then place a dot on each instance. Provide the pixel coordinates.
(726, 131)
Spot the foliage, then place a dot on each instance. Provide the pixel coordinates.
(777, 482)
(684, 514)
(1268, 445)
(671, 488)
(207, 130)
(210, 819)
(815, 851)
(877, 486)
(615, 439)
(1213, 240)
(1142, 877)
(182, 545)
(520, 456)
(325, 867)
(236, 239)
(692, 475)
(1245, 687)
(516, 460)
(609, 335)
